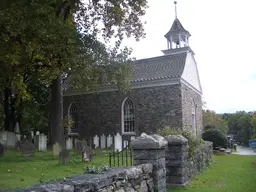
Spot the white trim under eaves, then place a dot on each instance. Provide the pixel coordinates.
(137, 85)
(190, 86)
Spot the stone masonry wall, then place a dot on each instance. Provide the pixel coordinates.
(180, 168)
(188, 95)
(101, 113)
(130, 179)
(201, 159)
(151, 149)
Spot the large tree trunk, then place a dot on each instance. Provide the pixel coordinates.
(6, 110)
(57, 115)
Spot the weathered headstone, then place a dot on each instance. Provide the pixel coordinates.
(42, 145)
(27, 149)
(102, 141)
(1, 150)
(17, 131)
(18, 146)
(64, 157)
(118, 142)
(69, 144)
(56, 148)
(96, 141)
(78, 147)
(126, 143)
(109, 140)
(8, 139)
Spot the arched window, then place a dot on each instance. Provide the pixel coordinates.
(193, 111)
(73, 113)
(128, 116)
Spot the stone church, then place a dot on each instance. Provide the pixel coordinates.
(165, 90)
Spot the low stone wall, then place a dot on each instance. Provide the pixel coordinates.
(180, 168)
(136, 178)
(201, 159)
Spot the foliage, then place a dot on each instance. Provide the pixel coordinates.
(226, 173)
(254, 127)
(210, 118)
(90, 169)
(216, 136)
(192, 140)
(68, 123)
(240, 124)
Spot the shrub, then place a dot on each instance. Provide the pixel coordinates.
(216, 136)
(192, 140)
(90, 169)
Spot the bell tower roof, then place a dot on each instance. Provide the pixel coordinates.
(176, 29)
(177, 37)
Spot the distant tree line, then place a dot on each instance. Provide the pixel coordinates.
(241, 124)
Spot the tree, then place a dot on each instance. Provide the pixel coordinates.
(118, 18)
(211, 119)
(33, 46)
(40, 40)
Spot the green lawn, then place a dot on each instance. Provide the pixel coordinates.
(17, 171)
(229, 173)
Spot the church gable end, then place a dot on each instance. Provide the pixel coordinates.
(190, 73)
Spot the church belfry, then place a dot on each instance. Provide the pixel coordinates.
(177, 37)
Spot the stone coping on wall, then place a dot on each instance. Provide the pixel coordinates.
(121, 178)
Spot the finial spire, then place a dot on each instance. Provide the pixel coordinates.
(175, 3)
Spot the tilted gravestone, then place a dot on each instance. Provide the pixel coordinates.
(78, 147)
(18, 146)
(27, 149)
(64, 157)
(1, 150)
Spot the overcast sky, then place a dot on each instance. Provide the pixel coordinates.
(223, 39)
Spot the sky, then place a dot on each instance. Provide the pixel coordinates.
(223, 37)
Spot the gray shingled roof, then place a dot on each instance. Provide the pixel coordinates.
(163, 67)
(176, 28)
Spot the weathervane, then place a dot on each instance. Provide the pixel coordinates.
(175, 3)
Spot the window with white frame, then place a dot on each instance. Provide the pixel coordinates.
(73, 113)
(193, 117)
(128, 118)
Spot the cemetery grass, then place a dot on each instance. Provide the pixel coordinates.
(18, 171)
(227, 173)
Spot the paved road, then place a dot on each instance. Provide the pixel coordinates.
(244, 151)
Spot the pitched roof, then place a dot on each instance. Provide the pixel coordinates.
(176, 28)
(163, 67)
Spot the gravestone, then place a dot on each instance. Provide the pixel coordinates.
(102, 141)
(17, 131)
(118, 142)
(133, 138)
(126, 143)
(1, 150)
(69, 144)
(27, 149)
(8, 139)
(42, 144)
(109, 141)
(56, 148)
(64, 157)
(78, 147)
(96, 141)
(18, 146)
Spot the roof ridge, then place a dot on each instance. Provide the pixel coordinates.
(157, 57)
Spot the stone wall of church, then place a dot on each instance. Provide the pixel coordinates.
(154, 106)
(188, 95)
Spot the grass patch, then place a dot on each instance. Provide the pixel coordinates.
(228, 173)
(18, 171)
